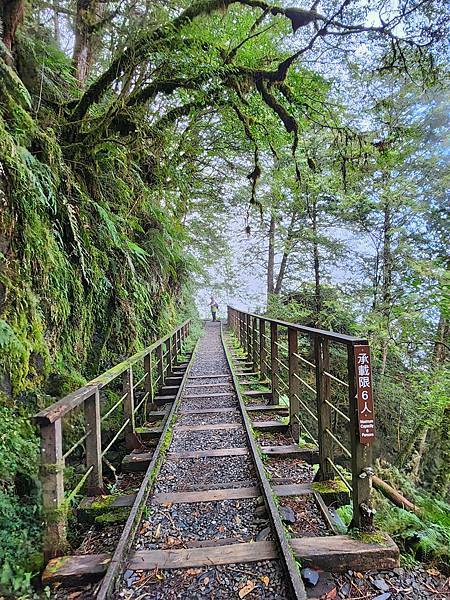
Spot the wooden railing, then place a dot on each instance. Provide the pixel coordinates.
(325, 378)
(127, 403)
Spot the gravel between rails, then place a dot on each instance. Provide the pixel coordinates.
(175, 475)
(219, 583)
(199, 404)
(308, 518)
(291, 468)
(175, 525)
(185, 441)
(223, 389)
(231, 416)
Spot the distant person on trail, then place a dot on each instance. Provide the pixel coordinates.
(214, 308)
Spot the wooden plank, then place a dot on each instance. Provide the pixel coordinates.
(339, 553)
(200, 557)
(293, 489)
(75, 570)
(160, 400)
(205, 385)
(270, 426)
(293, 451)
(168, 389)
(208, 453)
(207, 495)
(136, 462)
(215, 427)
(218, 395)
(212, 376)
(257, 394)
(149, 433)
(281, 408)
(207, 411)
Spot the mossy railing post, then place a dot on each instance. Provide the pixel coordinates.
(274, 361)
(148, 384)
(241, 329)
(52, 480)
(94, 483)
(160, 364)
(169, 350)
(128, 407)
(248, 336)
(361, 454)
(294, 383)
(255, 344)
(262, 349)
(322, 364)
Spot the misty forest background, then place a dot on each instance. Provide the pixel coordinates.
(291, 160)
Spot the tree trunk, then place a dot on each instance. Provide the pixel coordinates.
(271, 258)
(286, 253)
(417, 458)
(11, 16)
(440, 350)
(83, 51)
(441, 483)
(317, 289)
(386, 289)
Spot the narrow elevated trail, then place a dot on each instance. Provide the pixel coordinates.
(208, 514)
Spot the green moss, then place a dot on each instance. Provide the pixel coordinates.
(118, 515)
(57, 563)
(327, 487)
(376, 537)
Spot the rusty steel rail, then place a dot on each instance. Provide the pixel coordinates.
(116, 565)
(294, 580)
(311, 392)
(157, 364)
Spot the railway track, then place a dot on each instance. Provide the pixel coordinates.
(206, 521)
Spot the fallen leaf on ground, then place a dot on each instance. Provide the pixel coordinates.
(248, 587)
(359, 575)
(205, 581)
(265, 580)
(193, 572)
(158, 531)
(167, 504)
(433, 572)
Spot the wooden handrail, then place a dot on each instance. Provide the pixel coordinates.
(62, 407)
(312, 331)
(283, 370)
(54, 499)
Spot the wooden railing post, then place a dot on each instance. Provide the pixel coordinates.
(52, 479)
(247, 335)
(148, 384)
(241, 329)
(274, 362)
(262, 349)
(294, 384)
(160, 364)
(254, 348)
(94, 483)
(361, 453)
(128, 407)
(169, 348)
(322, 362)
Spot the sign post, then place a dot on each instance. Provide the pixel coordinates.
(366, 416)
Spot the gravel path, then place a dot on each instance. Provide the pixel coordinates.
(222, 583)
(179, 475)
(170, 525)
(230, 416)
